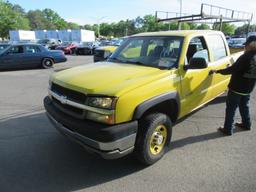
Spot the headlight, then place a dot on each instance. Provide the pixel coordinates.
(107, 54)
(102, 102)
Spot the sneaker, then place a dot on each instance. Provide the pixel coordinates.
(241, 126)
(225, 131)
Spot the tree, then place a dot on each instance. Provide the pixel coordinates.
(37, 20)
(244, 29)
(192, 25)
(71, 25)
(55, 21)
(203, 26)
(18, 9)
(227, 28)
(185, 26)
(10, 19)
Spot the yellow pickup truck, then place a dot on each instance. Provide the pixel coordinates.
(102, 53)
(131, 102)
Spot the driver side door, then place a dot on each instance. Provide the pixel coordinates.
(12, 57)
(195, 82)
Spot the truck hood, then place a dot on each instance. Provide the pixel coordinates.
(108, 48)
(107, 78)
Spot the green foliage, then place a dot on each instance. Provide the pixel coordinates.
(55, 21)
(11, 18)
(72, 25)
(244, 29)
(203, 27)
(37, 20)
(227, 28)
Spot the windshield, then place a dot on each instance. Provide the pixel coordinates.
(159, 52)
(3, 47)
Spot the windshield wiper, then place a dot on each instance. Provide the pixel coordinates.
(138, 63)
(115, 60)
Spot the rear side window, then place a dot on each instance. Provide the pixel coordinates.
(31, 49)
(217, 46)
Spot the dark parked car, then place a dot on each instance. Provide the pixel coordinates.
(50, 43)
(87, 48)
(236, 42)
(29, 56)
(68, 47)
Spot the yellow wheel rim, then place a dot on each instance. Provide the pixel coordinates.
(158, 139)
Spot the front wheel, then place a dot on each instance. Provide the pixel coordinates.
(154, 137)
(47, 63)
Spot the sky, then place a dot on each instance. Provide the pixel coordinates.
(99, 11)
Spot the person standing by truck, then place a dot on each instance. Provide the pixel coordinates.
(242, 83)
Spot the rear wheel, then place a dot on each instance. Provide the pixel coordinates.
(154, 137)
(47, 63)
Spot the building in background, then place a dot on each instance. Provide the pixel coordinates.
(21, 35)
(83, 35)
(41, 34)
(63, 35)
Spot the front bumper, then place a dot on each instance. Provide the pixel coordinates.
(110, 142)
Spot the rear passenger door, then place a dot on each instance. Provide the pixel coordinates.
(219, 60)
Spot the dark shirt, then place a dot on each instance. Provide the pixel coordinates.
(243, 73)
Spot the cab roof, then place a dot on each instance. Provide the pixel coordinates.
(181, 33)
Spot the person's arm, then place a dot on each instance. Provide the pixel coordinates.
(238, 66)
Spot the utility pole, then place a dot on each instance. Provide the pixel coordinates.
(179, 23)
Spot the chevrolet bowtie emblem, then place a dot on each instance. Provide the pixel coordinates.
(63, 99)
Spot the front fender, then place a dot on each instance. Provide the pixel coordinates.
(146, 105)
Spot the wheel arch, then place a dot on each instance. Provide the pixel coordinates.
(168, 103)
(48, 57)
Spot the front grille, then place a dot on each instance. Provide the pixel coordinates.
(70, 94)
(99, 53)
(68, 109)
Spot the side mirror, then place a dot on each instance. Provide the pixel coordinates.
(196, 63)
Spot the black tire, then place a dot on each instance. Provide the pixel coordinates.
(47, 63)
(145, 142)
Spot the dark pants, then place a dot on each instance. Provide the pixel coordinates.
(235, 100)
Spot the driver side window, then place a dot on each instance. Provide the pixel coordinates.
(197, 49)
(16, 50)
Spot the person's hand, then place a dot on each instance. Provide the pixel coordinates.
(212, 71)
